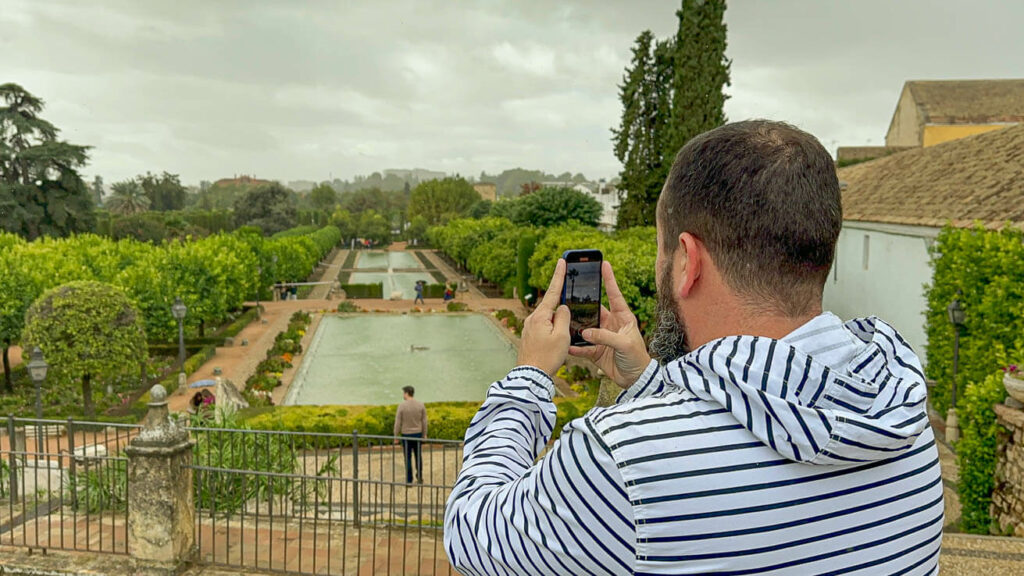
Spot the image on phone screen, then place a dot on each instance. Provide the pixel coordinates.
(582, 292)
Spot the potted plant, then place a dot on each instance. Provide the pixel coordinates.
(1013, 380)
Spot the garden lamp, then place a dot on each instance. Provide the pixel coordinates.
(957, 316)
(37, 369)
(178, 310)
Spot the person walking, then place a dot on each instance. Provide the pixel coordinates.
(419, 293)
(411, 425)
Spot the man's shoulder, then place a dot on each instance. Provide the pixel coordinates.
(675, 409)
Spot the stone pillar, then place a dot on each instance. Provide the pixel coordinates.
(160, 509)
(1007, 507)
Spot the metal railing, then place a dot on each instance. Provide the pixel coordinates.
(64, 485)
(320, 503)
(311, 503)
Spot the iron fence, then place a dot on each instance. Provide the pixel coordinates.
(64, 485)
(310, 503)
(320, 503)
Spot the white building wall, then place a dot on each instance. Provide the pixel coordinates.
(881, 270)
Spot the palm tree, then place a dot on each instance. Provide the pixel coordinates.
(127, 198)
(572, 274)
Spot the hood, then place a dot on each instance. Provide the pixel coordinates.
(865, 410)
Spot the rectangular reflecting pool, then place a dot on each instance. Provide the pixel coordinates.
(391, 260)
(404, 282)
(367, 359)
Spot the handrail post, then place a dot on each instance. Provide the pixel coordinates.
(355, 477)
(13, 461)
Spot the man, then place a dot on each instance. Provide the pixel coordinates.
(771, 438)
(419, 293)
(411, 425)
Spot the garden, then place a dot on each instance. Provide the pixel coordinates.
(54, 293)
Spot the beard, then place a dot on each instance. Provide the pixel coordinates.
(668, 341)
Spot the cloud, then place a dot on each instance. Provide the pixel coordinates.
(538, 60)
(316, 88)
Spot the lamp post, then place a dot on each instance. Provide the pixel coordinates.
(957, 316)
(259, 275)
(178, 310)
(273, 273)
(37, 368)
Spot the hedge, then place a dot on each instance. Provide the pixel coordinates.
(976, 452)
(987, 267)
(448, 420)
(985, 270)
(364, 290)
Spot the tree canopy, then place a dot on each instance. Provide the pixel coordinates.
(550, 207)
(323, 197)
(41, 192)
(164, 191)
(86, 330)
(441, 200)
(268, 207)
(127, 198)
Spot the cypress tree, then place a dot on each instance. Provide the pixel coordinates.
(672, 90)
(701, 73)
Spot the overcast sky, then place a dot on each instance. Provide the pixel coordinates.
(308, 89)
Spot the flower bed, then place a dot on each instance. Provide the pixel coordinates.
(287, 344)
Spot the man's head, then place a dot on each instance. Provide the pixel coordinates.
(748, 220)
(408, 392)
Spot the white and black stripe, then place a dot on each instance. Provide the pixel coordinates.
(806, 455)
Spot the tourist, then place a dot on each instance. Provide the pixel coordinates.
(196, 402)
(448, 293)
(767, 437)
(208, 399)
(411, 425)
(419, 293)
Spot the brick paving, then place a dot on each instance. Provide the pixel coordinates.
(265, 544)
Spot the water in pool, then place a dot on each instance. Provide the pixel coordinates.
(366, 359)
(404, 282)
(389, 260)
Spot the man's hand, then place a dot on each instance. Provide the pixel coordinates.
(545, 341)
(619, 347)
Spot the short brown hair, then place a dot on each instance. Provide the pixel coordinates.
(764, 198)
(409, 390)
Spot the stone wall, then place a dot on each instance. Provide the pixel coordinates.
(1008, 496)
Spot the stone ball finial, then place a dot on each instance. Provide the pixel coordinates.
(158, 393)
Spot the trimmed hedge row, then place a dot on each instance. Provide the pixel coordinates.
(448, 420)
(364, 290)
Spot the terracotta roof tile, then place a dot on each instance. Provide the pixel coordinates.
(978, 178)
(969, 101)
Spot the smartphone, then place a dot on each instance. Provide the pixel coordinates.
(581, 291)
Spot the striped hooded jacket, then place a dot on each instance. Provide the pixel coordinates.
(806, 455)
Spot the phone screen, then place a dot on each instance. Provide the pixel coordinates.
(582, 292)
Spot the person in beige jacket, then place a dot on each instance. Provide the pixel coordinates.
(411, 425)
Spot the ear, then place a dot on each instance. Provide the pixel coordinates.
(690, 250)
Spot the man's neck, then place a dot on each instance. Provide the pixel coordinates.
(742, 321)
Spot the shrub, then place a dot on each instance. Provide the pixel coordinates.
(457, 306)
(219, 448)
(347, 306)
(976, 452)
(511, 320)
